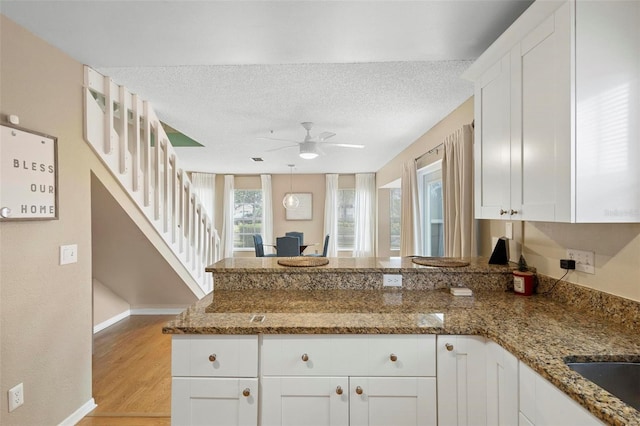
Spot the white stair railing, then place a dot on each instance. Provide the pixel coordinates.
(126, 134)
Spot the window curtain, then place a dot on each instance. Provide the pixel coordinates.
(410, 229)
(204, 186)
(457, 184)
(227, 217)
(365, 213)
(331, 213)
(267, 212)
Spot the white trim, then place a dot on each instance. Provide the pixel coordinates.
(79, 414)
(157, 311)
(111, 321)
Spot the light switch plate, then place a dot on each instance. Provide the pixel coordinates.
(68, 254)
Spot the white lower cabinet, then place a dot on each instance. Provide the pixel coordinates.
(214, 401)
(337, 401)
(542, 404)
(348, 380)
(299, 401)
(462, 380)
(342, 380)
(214, 380)
(502, 386)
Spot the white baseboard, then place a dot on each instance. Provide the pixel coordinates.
(77, 415)
(157, 311)
(111, 321)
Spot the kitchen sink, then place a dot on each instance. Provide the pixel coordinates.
(621, 379)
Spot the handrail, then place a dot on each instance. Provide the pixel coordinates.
(126, 134)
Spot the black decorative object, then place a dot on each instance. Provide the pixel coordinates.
(500, 254)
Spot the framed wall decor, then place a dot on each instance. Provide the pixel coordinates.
(28, 175)
(304, 211)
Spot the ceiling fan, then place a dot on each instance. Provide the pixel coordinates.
(310, 147)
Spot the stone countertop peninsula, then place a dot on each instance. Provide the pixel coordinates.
(543, 331)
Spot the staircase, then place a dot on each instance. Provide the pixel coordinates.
(127, 136)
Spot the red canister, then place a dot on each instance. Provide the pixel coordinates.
(523, 283)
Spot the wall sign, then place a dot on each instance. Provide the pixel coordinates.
(304, 211)
(28, 175)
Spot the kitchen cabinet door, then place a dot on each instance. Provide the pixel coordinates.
(300, 401)
(502, 386)
(461, 381)
(383, 401)
(543, 132)
(492, 148)
(542, 404)
(214, 401)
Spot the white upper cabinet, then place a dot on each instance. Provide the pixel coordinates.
(570, 116)
(607, 97)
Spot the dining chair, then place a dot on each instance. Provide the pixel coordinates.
(325, 249)
(299, 235)
(287, 246)
(259, 246)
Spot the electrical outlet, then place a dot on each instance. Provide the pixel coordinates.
(392, 280)
(16, 397)
(585, 260)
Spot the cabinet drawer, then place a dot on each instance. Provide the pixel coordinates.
(214, 356)
(349, 355)
(296, 355)
(402, 355)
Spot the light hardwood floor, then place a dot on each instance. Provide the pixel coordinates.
(132, 374)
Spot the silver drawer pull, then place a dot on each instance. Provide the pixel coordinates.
(212, 357)
(393, 357)
(246, 392)
(339, 390)
(305, 357)
(359, 390)
(449, 347)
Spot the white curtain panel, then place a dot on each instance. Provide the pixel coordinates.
(331, 213)
(227, 217)
(267, 212)
(410, 228)
(457, 184)
(204, 185)
(365, 213)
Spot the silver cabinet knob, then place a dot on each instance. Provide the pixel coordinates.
(449, 347)
(512, 212)
(359, 390)
(339, 390)
(212, 357)
(246, 392)
(5, 212)
(305, 357)
(393, 357)
(503, 212)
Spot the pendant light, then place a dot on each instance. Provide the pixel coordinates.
(290, 201)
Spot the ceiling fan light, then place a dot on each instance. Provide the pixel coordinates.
(308, 150)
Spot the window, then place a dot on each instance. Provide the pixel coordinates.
(430, 179)
(346, 219)
(395, 209)
(247, 217)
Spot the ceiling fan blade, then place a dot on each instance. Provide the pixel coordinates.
(325, 135)
(345, 145)
(282, 147)
(276, 139)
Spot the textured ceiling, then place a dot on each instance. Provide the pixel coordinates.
(375, 73)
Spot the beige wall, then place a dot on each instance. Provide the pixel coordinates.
(45, 309)
(106, 304)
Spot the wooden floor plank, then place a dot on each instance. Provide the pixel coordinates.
(132, 373)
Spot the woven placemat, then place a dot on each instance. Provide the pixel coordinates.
(303, 261)
(443, 262)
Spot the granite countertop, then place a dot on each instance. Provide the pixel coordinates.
(538, 330)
